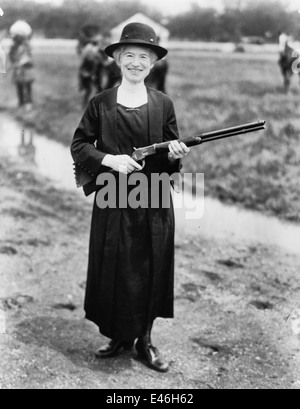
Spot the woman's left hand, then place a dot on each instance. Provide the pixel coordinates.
(178, 150)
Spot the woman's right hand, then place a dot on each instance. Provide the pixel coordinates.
(121, 163)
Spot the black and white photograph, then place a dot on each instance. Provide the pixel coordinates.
(149, 197)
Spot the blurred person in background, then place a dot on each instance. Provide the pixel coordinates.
(96, 70)
(2, 61)
(88, 49)
(285, 40)
(2, 52)
(288, 57)
(158, 75)
(90, 60)
(21, 61)
(131, 259)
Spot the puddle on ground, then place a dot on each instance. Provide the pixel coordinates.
(54, 161)
(234, 223)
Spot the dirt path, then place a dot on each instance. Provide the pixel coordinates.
(232, 302)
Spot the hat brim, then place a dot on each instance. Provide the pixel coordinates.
(159, 51)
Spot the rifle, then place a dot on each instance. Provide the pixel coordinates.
(140, 154)
(84, 179)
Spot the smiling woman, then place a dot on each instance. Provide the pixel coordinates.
(135, 62)
(131, 259)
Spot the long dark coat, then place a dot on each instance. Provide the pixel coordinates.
(95, 137)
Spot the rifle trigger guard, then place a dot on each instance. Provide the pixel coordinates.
(141, 162)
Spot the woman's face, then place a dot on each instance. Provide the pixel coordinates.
(135, 63)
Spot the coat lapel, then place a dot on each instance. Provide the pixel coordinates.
(155, 111)
(109, 122)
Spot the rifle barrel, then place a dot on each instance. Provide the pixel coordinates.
(229, 134)
(215, 135)
(251, 125)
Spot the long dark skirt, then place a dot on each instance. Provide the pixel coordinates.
(131, 269)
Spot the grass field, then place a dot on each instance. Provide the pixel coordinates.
(259, 171)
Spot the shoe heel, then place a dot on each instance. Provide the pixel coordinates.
(128, 345)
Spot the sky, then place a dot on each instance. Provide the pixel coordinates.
(165, 6)
(171, 7)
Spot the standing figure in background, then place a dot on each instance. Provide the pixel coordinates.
(90, 63)
(2, 53)
(21, 60)
(157, 77)
(97, 72)
(88, 47)
(288, 56)
(284, 42)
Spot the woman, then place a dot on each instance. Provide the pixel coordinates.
(131, 258)
(22, 62)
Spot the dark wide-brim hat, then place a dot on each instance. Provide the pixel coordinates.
(141, 35)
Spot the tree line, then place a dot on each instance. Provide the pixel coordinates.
(240, 18)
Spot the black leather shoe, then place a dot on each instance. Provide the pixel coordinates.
(112, 348)
(152, 356)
